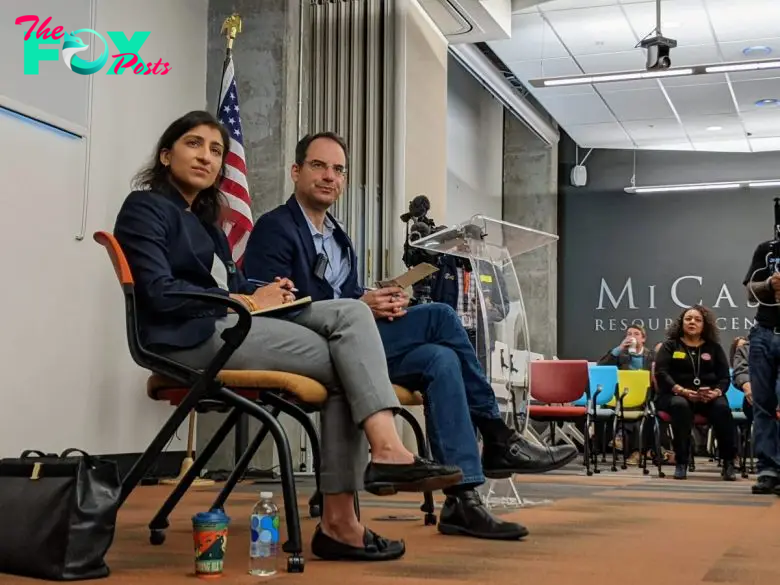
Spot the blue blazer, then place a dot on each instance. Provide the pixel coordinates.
(170, 249)
(281, 244)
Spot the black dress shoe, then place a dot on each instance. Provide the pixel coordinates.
(765, 484)
(466, 515)
(376, 548)
(386, 479)
(729, 473)
(518, 455)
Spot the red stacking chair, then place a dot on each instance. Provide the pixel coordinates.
(555, 384)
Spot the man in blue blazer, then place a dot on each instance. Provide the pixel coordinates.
(425, 345)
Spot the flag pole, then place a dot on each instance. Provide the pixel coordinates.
(230, 28)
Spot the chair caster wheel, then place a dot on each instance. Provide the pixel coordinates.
(295, 564)
(430, 520)
(613, 469)
(645, 472)
(156, 537)
(589, 473)
(596, 471)
(314, 511)
(661, 474)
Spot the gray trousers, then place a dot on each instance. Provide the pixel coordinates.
(336, 343)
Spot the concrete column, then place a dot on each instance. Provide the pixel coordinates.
(266, 57)
(531, 200)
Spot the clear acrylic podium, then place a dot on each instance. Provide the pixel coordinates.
(502, 339)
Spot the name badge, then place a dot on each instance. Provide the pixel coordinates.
(468, 322)
(678, 355)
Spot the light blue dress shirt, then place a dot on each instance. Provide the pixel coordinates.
(337, 270)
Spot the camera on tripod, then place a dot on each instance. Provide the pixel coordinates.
(418, 226)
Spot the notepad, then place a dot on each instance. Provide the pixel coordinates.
(286, 306)
(410, 277)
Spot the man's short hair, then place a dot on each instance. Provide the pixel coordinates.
(638, 328)
(302, 148)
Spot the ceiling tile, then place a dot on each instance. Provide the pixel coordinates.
(762, 124)
(578, 109)
(647, 104)
(653, 145)
(569, 4)
(695, 55)
(765, 144)
(714, 78)
(609, 135)
(703, 127)
(658, 131)
(610, 62)
(699, 100)
(532, 39)
(744, 19)
(593, 30)
(749, 92)
(544, 68)
(732, 145)
(682, 20)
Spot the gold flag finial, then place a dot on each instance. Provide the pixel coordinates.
(230, 28)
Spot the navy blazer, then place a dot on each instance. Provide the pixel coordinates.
(170, 249)
(281, 245)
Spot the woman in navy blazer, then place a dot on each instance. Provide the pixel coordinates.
(169, 231)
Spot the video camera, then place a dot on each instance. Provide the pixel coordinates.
(418, 226)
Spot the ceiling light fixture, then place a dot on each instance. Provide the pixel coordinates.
(757, 51)
(767, 102)
(734, 66)
(703, 186)
(715, 128)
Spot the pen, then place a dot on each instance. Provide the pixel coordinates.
(264, 283)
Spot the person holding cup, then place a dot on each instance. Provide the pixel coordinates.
(631, 353)
(692, 375)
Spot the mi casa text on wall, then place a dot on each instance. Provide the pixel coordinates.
(621, 304)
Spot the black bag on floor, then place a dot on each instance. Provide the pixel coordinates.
(59, 514)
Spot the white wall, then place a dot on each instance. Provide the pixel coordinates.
(474, 148)
(68, 379)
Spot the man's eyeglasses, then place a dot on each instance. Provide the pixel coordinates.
(319, 166)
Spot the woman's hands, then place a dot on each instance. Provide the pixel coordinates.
(270, 295)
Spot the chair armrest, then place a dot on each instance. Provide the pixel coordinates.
(233, 336)
(592, 399)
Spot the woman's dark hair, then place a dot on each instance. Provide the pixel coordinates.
(709, 330)
(733, 348)
(208, 203)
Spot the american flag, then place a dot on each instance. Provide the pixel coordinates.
(234, 186)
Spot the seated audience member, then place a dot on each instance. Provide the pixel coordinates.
(170, 234)
(738, 358)
(692, 373)
(631, 354)
(425, 345)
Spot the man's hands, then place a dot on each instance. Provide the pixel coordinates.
(387, 303)
(748, 392)
(774, 285)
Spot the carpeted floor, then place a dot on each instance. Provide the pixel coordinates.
(613, 527)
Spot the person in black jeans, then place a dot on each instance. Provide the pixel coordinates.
(692, 373)
(763, 363)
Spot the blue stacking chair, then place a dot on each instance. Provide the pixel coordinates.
(603, 386)
(736, 399)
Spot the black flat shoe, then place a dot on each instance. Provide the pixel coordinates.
(765, 484)
(386, 479)
(376, 548)
(466, 515)
(518, 455)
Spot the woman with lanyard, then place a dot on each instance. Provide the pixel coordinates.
(692, 375)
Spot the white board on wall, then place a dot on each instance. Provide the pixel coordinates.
(55, 94)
